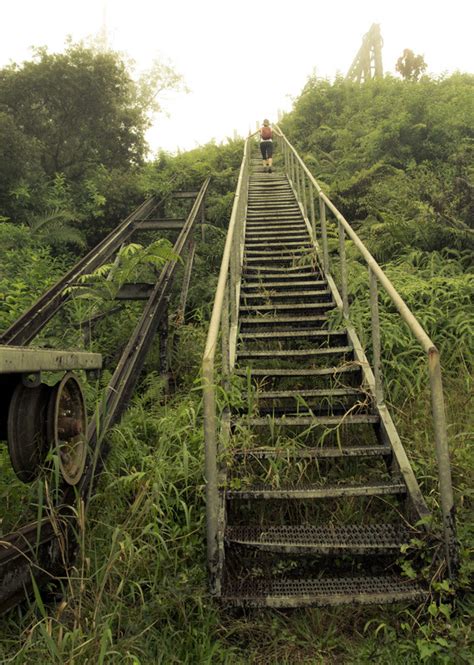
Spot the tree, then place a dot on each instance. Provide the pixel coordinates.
(410, 66)
(81, 106)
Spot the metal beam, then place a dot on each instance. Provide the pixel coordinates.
(20, 359)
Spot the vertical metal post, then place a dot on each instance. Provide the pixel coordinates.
(343, 267)
(376, 346)
(303, 192)
(163, 350)
(313, 216)
(298, 184)
(225, 338)
(210, 470)
(186, 280)
(442, 455)
(324, 234)
(203, 220)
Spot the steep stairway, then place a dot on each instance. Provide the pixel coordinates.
(314, 506)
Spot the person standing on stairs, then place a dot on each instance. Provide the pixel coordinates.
(266, 144)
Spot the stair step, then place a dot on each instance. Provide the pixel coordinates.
(319, 452)
(275, 244)
(284, 294)
(281, 307)
(321, 592)
(276, 371)
(290, 277)
(290, 334)
(297, 270)
(309, 491)
(328, 539)
(300, 251)
(293, 353)
(309, 421)
(318, 392)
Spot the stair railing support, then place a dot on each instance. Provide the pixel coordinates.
(303, 188)
(343, 268)
(442, 456)
(324, 233)
(376, 345)
(313, 215)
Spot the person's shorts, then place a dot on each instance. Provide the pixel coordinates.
(266, 148)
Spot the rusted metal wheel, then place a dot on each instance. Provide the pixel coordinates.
(67, 427)
(26, 428)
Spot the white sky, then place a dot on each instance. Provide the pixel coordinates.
(243, 60)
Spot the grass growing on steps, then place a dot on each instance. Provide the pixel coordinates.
(139, 593)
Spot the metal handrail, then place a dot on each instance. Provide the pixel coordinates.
(224, 320)
(298, 174)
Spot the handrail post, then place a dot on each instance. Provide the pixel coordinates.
(225, 338)
(303, 192)
(298, 175)
(343, 267)
(210, 467)
(324, 234)
(313, 216)
(442, 456)
(376, 346)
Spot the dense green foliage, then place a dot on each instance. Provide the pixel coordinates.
(396, 157)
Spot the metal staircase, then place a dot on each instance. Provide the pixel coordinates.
(313, 495)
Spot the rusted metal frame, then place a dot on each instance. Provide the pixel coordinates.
(186, 279)
(17, 359)
(343, 269)
(437, 399)
(129, 367)
(163, 331)
(210, 379)
(203, 220)
(165, 224)
(56, 545)
(29, 324)
(376, 345)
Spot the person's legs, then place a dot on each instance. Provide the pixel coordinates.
(270, 156)
(264, 154)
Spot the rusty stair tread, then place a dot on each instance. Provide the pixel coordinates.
(312, 491)
(290, 278)
(293, 333)
(317, 392)
(285, 306)
(278, 371)
(288, 592)
(304, 538)
(284, 294)
(315, 452)
(293, 353)
(293, 420)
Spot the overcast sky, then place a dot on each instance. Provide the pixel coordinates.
(241, 60)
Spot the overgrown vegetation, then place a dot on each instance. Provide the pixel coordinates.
(396, 157)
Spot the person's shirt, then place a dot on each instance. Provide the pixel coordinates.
(266, 127)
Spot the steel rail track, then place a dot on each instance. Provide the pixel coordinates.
(44, 549)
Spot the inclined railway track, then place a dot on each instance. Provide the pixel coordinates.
(45, 548)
